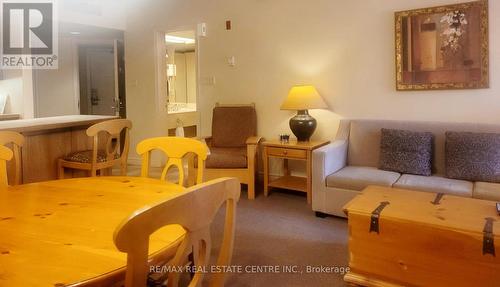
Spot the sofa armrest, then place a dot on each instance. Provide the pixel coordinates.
(253, 140)
(329, 159)
(326, 161)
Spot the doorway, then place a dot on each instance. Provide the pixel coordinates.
(102, 79)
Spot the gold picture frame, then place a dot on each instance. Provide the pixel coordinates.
(445, 47)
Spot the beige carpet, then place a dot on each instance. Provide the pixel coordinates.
(282, 230)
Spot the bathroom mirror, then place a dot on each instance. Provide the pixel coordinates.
(181, 74)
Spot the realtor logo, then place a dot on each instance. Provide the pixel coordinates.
(29, 34)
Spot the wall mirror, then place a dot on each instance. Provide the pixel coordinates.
(180, 71)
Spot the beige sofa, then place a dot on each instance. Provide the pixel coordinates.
(342, 169)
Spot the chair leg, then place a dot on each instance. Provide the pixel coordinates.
(60, 169)
(251, 185)
(93, 172)
(123, 169)
(108, 171)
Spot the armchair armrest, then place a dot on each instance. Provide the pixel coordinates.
(254, 140)
(252, 150)
(329, 159)
(206, 139)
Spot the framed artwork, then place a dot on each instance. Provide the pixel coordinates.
(443, 47)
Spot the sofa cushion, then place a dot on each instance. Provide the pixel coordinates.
(232, 126)
(226, 158)
(406, 151)
(364, 138)
(358, 178)
(436, 184)
(473, 156)
(487, 191)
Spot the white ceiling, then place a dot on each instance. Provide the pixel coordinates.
(87, 31)
(101, 13)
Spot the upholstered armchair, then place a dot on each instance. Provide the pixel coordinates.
(233, 145)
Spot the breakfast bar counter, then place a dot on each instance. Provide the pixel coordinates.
(47, 140)
(51, 123)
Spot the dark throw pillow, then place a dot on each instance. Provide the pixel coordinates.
(473, 156)
(406, 151)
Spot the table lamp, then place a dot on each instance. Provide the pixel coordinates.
(302, 99)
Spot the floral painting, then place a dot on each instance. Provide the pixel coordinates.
(443, 47)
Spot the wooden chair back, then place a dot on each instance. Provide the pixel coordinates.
(5, 155)
(195, 210)
(17, 141)
(113, 147)
(176, 149)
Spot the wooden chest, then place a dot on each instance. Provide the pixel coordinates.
(408, 238)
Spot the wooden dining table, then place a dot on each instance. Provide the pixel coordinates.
(60, 233)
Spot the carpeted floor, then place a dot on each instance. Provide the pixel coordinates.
(281, 230)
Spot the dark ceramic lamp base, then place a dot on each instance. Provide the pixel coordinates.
(303, 125)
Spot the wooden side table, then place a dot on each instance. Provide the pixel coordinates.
(294, 151)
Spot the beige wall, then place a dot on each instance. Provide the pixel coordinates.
(190, 77)
(17, 84)
(345, 48)
(57, 91)
(11, 85)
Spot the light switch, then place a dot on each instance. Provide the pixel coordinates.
(208, 81)
(231, 61)
(202, 29)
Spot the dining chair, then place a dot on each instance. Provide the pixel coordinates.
(98, 159)
(233, 144)
(16, 140)
(194, 210)
(178, 151)
(5, 155)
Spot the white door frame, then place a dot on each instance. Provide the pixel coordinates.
(160, 70)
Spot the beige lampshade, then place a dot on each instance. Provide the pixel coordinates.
(303, 98)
